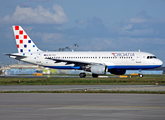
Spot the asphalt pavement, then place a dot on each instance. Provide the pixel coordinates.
(62, 106)
(82, 87)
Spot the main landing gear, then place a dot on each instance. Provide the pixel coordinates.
(82, 75)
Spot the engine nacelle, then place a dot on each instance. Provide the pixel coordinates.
(117, 71)
(98, 69)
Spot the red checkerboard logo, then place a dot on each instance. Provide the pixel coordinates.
(21, 32)
(25, 36)
(16, 36)
(17, 46)
(21, 41)
(16, 27)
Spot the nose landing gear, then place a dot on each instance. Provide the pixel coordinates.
(140, 74)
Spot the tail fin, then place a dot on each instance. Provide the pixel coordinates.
(23, 41)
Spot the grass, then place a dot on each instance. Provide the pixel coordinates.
(146, 80)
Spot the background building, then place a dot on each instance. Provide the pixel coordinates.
(15, 69)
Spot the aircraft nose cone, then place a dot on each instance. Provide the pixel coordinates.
(160, 62)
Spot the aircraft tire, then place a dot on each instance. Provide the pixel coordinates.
(140, 75)
(95, 75)
(82, 75)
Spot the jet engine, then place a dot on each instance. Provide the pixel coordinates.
(97, 69)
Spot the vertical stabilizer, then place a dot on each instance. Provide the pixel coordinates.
(23, 41)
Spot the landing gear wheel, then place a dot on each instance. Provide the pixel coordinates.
(82, 75)
(140, 75)
(95, 75)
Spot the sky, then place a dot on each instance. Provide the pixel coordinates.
(95, 25)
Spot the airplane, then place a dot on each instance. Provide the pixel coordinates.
(98, 63)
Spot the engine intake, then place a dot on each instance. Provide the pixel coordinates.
(117, 71)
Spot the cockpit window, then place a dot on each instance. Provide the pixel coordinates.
(151, 57)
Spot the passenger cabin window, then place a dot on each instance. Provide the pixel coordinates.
(151, 57)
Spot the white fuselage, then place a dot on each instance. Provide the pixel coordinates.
(112, 59)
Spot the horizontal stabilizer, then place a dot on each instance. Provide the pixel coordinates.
(18, 57)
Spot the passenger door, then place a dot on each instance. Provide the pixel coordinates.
(138, 58)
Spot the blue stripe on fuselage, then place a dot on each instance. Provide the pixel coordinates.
(64, 67)
(137, 67)
(127, 67)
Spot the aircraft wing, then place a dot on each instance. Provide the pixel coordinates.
(77, 63)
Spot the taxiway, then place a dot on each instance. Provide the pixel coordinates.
(82, 87)
(61, 106)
